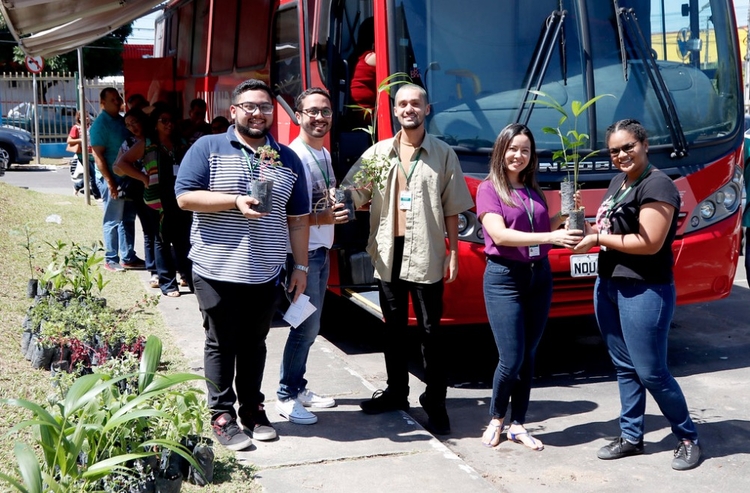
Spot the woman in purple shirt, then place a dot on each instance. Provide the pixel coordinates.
(518, 234)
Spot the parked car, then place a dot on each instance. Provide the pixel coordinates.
(16, 146)
(55, 120)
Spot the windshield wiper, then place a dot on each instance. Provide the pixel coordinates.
(553, 26)
(668, 109)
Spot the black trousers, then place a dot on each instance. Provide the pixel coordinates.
(427, 300)
(236, 319)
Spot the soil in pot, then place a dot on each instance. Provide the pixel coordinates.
(577, 219)
(262, 192)
(345, 197)
(567, 197)
(31, 288)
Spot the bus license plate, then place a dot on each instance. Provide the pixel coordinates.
(584, 265)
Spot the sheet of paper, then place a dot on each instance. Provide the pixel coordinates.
(299, 311)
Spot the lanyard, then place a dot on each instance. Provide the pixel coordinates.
(251, 163)
(529, 213)
(619, 197)
(324, 172)
(411, 169)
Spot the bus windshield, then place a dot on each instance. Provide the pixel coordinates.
(475, 59)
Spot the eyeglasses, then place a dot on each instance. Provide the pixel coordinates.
(165, 121)
(265, 108)
(627, 148)
(313, 112)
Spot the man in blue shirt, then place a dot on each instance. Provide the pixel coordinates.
(107, 134)
(238, 252)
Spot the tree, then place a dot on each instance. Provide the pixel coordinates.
(101, 58)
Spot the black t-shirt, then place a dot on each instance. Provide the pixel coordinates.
(656, 268)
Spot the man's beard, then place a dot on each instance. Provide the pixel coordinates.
(250, 133)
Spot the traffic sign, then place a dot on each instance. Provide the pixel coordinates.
(35, 64)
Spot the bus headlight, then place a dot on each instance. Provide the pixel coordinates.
(718, 206)
(463, 223)
(469, 228)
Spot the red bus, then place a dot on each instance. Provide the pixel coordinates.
(674, 66)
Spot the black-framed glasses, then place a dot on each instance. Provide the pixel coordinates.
(313, 112)
(165, 121)
(265, 108)
(627, 148)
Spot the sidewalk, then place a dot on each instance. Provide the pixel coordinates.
(574, 405)
(346, 450)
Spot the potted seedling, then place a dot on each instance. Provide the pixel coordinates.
(568, 156)
(31, 247)
(262, 188)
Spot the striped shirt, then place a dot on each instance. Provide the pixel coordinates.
(226, 246)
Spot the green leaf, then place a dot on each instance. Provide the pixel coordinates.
(28, 465)
(578, 109)
(13, 482)
(107, 466)
(149, 362)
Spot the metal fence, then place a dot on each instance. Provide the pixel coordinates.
(57, 102)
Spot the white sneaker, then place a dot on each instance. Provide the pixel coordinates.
(308, 398)
(295, 412)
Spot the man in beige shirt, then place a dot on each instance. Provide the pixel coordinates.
(421, 193)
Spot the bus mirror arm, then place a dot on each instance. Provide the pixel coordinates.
(282, 102)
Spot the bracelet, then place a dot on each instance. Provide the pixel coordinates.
(235, 202)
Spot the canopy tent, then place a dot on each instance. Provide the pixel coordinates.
(53, 27)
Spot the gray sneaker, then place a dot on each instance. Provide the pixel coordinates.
(687, 455)
(113, 267)
(229, 434)
(259, 426)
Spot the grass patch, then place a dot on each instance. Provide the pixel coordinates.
(80, 224)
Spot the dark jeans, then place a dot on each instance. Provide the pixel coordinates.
(517, 296)
(175, 234)
(149, 219)
(634, 319)
(427, 300)
(236, 319)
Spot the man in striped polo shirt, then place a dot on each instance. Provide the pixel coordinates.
(238, 253)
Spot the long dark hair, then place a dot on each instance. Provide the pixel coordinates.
(498, 171)
(160, 109)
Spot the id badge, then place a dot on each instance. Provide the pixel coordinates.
(534, 251)
(175, 169)
(404, 200)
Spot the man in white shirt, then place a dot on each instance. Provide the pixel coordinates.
(313, 110)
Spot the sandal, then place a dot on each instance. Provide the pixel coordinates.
(173, 294)
(491, 436)
(524, 438)
(154, 282)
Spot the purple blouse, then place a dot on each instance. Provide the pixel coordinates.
(516, 218)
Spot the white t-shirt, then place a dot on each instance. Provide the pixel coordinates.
(318, 185)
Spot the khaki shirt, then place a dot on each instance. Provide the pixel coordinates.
(438, 190)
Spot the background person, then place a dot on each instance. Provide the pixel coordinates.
(238, 254)
(161, 153)
(364, 86)
(118, 225)
(219, 125)
(313, 111)
(137, 123)
(75, 143)
(518, 235)
(634, 294)
(422, 196)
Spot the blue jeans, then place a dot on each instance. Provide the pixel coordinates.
(294, 363)
(118, 226)
(634, 319)
(517, 296)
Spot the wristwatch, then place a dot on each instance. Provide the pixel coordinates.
(301, 267)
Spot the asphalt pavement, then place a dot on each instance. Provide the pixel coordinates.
(574, 405)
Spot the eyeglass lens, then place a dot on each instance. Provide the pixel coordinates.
(265, 108)
(626, 148)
